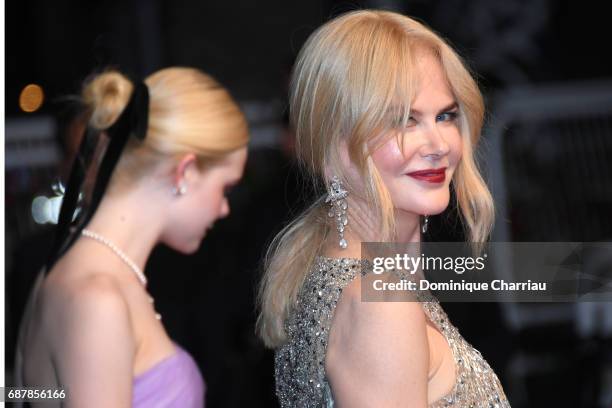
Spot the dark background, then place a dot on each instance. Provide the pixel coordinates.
(555, 185)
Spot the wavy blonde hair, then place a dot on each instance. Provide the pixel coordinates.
(348, 77)
(189, 112)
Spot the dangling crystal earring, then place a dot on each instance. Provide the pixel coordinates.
(425, 223)
(336, 198)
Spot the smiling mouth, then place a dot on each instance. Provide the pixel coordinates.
(430, 175)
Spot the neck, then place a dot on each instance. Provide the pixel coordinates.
(130, 222)
(408, 226)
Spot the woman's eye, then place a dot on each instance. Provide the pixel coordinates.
(446, 117)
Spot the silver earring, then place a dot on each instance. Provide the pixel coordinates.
(425, 224)
(336, 198)
(180, 190)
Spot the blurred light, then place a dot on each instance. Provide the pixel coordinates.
(46, 210)
(31, 98)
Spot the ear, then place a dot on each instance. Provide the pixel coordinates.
(186, 165)
(343, 151)
(340, 162)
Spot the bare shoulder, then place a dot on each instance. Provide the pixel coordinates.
(74, 303)
(90, 338)
(68, 289)
(377, 351)
(364, 315)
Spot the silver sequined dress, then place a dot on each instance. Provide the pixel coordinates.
(300, 362)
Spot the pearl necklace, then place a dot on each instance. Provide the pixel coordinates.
(137, 271)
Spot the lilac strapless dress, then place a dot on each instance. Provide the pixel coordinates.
(172, 383)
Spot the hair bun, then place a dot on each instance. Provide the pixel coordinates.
(106, 95)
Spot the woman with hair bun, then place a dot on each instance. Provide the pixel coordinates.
(387, 117)
(175, 144)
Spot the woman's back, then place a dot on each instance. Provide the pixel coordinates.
(82, 322)
(301, 376)
(76, 327)
(34, 366)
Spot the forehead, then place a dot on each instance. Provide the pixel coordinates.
(432, 87)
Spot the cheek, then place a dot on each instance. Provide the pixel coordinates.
(210, 201)
(199, 209)
(389, 159)
(455, 144)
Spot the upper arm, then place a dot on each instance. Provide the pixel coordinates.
(377, 353)
(92, 346)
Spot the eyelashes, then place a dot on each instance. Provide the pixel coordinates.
(399, 122)
(447, 116)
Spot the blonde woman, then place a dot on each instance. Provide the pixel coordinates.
(177, 142)
(387, 116)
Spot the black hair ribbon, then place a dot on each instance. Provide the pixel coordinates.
(133, 121)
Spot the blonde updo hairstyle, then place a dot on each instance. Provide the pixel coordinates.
(189, 112)
(353, 81)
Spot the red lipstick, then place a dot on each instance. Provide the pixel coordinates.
(430, 175)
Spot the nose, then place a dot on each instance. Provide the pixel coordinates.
(225, 209)
(436, 143)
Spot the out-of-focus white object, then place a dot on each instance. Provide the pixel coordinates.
(45, 210)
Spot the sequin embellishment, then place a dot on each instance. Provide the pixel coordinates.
(300, 362)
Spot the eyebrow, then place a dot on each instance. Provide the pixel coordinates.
(451, 106)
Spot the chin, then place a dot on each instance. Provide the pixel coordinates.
(427, 205)
(435, 210)
(186, 248)
(193, 247)
(423, 210)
